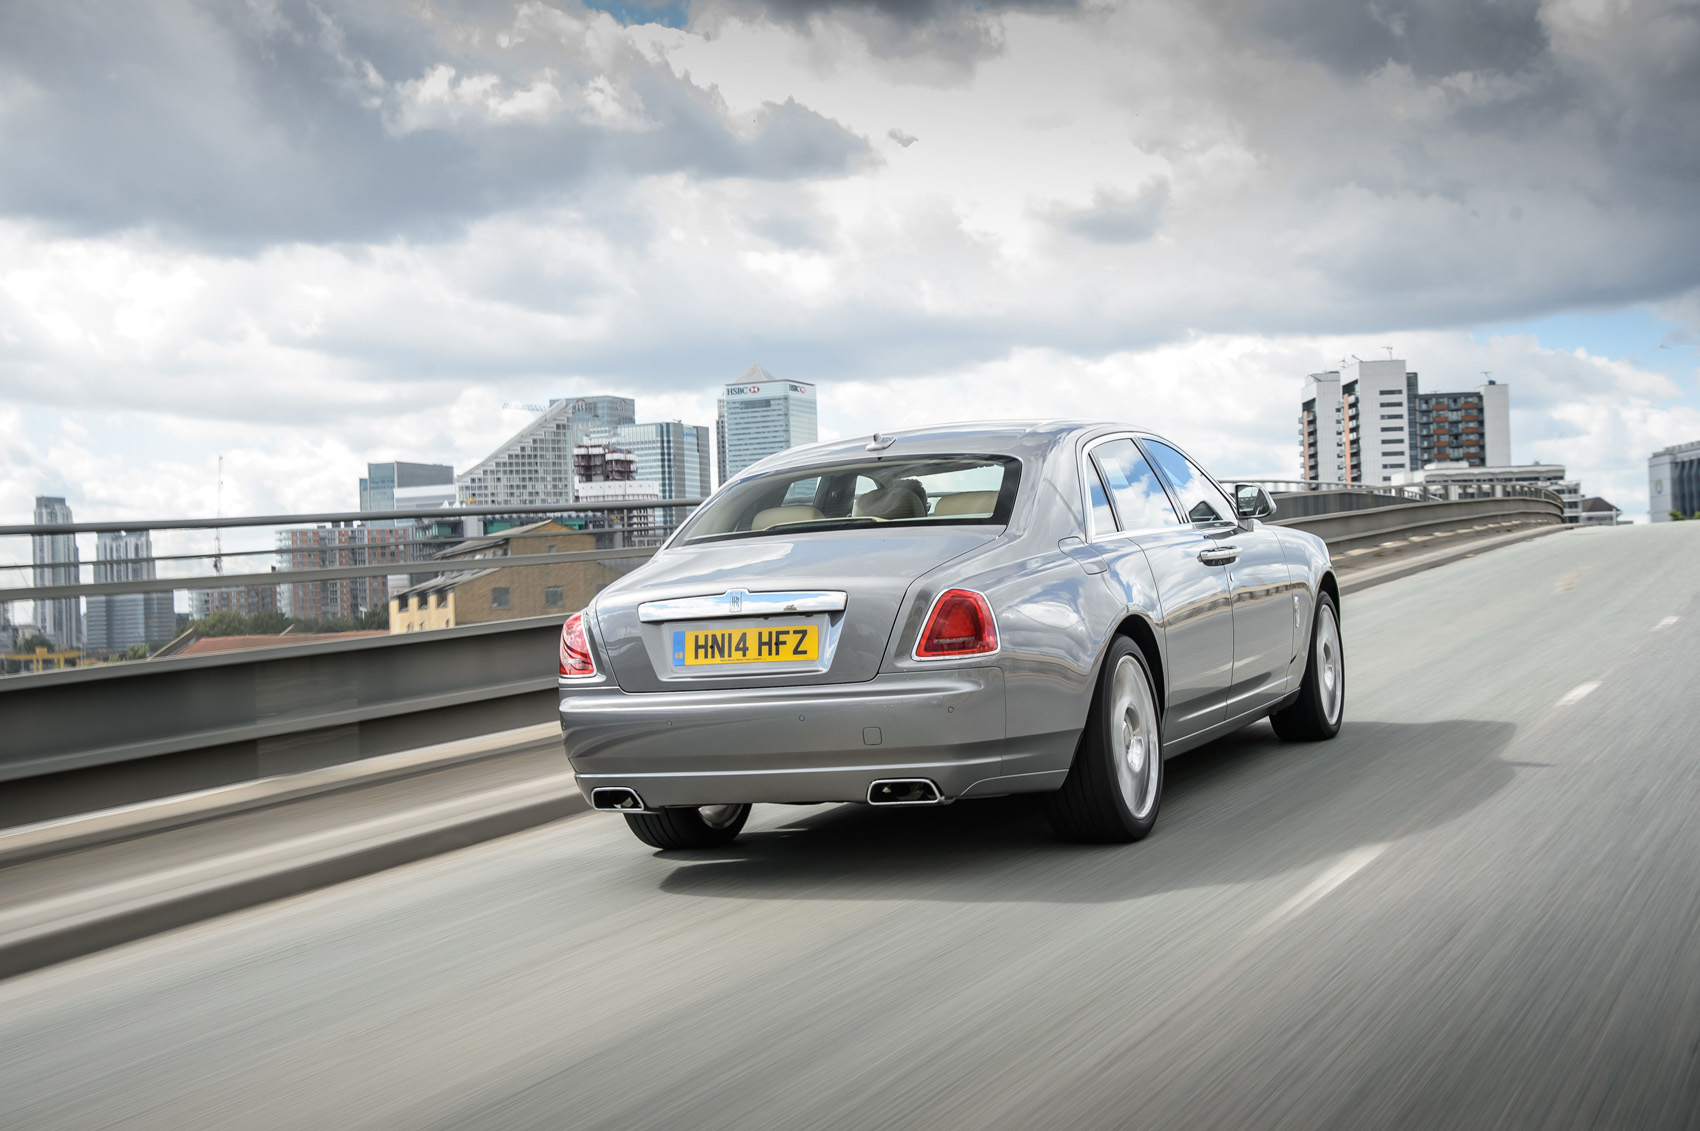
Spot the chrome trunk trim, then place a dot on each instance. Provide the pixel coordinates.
(741, 603)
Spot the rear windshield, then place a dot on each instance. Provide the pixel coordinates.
(864, 495)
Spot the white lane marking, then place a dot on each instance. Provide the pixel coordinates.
(1578, 693)
(1666, 623)
(1344, 869)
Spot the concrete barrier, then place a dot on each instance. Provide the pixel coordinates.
(96, 737)
(1350, 530)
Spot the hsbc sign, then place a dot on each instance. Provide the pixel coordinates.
(775, 388)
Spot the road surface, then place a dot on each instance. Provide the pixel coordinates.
(1478, 907)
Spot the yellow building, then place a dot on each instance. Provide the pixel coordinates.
(489, 591)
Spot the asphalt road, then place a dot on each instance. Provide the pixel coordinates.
(1478, 907)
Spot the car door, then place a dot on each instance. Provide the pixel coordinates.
(1258, 580)
(1150, 541)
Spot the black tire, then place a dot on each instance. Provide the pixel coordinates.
(687, 827)
(1097, 801)
(1316, 714)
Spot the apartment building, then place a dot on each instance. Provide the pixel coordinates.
(339, 545)
(1367, 422)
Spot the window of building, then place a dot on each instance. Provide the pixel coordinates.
(499, 597)
(442, 600)
(552, 597)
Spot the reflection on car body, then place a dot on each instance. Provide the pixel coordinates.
(948, 613)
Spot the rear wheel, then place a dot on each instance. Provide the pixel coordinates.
(703, 826)
(1315, 715)
(1115, 785)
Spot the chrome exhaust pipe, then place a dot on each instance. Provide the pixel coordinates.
(904, 791)
(616, 799)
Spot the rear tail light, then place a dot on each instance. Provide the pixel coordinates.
(960, 625)
(576, 661)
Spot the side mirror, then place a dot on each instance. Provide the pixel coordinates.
(1252, 501)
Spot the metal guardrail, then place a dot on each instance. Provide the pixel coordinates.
(1451, 490)
(191, 722)
(494, 511)
(303, 576)
(372, 568)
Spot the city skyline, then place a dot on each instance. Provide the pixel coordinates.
(935, 213)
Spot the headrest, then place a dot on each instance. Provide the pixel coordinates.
(780, 516)
(967, 503)
(890, 502)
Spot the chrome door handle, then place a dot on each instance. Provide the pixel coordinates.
(1219, 555)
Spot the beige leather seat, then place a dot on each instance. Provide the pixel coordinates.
(889, 503)
(779, 516)
(966, 503)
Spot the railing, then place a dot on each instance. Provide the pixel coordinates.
(1439, 491)
(639, 542)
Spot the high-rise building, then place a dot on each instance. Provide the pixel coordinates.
(1673, 482)
(116, 621)
(60, 619)
(1366, 422)
(406, 486)
(340, 545)
(1473, 428)
(535, 466)
(759, 416)
(672, 455)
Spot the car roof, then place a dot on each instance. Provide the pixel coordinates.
(989, 437)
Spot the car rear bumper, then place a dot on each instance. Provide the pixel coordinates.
(797, 744)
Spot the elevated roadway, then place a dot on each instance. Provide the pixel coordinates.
(1478, 907)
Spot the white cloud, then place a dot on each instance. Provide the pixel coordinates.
(383, 227)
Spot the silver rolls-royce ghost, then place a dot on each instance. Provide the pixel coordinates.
(948, 613)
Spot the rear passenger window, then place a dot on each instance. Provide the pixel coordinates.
(1139, 500)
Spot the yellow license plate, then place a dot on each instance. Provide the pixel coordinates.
(766, 644)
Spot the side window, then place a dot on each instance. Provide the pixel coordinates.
(1139, 499)
(1200, 497)
(1103, 518)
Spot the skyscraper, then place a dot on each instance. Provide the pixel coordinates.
(535, 465)
(55, 558)
(116, 621)
(759, 416)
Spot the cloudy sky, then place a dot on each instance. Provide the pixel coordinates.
(307, 235)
